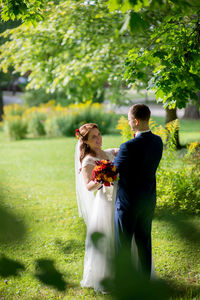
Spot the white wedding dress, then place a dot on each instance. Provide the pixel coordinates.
(97, 209)
(98, 213)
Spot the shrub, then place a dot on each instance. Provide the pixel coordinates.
(51, 127)
(90, 113)
(55, 120)
(36, 124)
(15, 127)
(65, 121)
(124, 129)
(179, 188)
(14, 110)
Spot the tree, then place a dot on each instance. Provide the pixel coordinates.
(171, 58)
(12, 10)
(5, 78)
(172, 52)
(192, 111)
(76, 49)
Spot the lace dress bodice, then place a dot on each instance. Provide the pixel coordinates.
(90, 160)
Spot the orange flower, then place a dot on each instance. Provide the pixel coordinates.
(97, 168)
(110, 179)
(103, 161)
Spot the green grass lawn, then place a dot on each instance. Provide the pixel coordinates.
(38, 190)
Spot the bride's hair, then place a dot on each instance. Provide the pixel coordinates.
(84, 131)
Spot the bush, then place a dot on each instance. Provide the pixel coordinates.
(179, 184)
(67, 124)
(65, 121)
(15, 127)
(58, 126)
(14, 110)
(179, 189)
(51, 127)
(55, 120)
(36, 124)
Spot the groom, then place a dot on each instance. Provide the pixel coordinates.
(137, 162)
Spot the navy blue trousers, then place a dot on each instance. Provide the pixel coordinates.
(138, 223)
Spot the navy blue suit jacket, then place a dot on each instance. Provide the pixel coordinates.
(136, 163)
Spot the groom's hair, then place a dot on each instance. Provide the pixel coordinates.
(140, 112)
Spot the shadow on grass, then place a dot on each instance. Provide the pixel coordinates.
(12, 228)
(184, 291)
(70, 246)
(186, 229)
(9, 267)
(47, 274)
(128, 283)
(189, 233)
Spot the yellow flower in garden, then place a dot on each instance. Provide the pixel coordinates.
(192, 146)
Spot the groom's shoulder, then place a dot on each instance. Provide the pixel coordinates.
(157, 137)
(127, 143)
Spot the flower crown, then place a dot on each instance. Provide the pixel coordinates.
(77, 134)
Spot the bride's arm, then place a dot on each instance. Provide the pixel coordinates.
(87, 176)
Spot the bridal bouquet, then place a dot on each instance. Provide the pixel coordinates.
(105, 172)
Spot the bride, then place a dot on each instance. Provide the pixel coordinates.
(96, 205)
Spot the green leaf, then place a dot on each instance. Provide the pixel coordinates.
(113, 5)
(136, 22)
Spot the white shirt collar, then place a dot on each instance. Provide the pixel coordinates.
(139, 132)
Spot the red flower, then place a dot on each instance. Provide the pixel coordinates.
(77, 133)
(104, 172)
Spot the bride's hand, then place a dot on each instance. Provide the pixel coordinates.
(91, 185)
(116, 150)
(98, 185)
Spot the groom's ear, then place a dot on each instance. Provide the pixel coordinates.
(136, 122)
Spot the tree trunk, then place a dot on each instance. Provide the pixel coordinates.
(1, 105)
(171, 115)
(191, 112)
